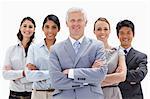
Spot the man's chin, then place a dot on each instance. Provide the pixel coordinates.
(124, 45)
(50, 38)
(76, 33)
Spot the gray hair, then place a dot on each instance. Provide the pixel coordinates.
(74, 9)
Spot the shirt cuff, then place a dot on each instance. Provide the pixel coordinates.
(85, 84)
(71, 74)
(21, 72)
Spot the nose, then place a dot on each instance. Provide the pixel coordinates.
(124, 36)
(102, 32)
(27, 29)
(75, 23)
(49, 30)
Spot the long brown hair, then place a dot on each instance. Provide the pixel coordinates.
(20, 36)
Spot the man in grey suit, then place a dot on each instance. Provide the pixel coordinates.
(71, 60)
(136, 62)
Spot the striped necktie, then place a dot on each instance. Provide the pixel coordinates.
(76, 46)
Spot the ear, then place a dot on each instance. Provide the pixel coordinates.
(67, 23)
(58, 30)
(109, 31)
(85, 22)
(20, 28)
(34, 29)
(42, 28)
(93, 31)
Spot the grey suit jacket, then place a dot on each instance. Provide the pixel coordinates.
(62, 56)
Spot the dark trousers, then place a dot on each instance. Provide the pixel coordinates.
(19, 95)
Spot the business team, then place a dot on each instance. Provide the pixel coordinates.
(78, 67)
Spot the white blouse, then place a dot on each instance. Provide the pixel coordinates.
(15, 57)
(38, 54)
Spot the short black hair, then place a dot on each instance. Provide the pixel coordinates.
(125, 23)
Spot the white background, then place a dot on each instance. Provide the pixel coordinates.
(12, 12)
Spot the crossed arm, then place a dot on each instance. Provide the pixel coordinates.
(10, 74)
(59, 77)
(33, 74)
(139, 73)
(118, 76)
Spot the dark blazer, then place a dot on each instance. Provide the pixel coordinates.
(136, 71)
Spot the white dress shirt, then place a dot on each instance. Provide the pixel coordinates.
(38, 55)
(15, 57)
(71, 72)
(127, 49)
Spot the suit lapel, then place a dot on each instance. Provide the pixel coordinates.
(84, 46)
(69, 49)
(130, 55)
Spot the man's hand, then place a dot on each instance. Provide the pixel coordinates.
(66, 71)
(31, 67)
(97, 64)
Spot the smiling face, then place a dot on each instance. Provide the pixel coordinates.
(125, 36)
(102, 30)
(76, 24)
(50, 30)
(27, 29)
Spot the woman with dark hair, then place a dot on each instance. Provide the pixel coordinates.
(115, 60)
(38, 60)
(15, 61)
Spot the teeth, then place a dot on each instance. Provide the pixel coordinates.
(49, 34)
(102, 36)
(26, 33)
(76, 28)
(125, 40)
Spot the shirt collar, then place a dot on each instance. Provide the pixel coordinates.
(42, 43)
(20, 44)
(127, 49)
(73, 40)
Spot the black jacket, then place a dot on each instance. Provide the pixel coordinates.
(136, 71)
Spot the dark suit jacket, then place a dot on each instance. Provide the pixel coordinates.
(136, 71)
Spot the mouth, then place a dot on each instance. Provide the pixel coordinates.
(125, 40)
(102, 36)
(76, 28)
(50, 35)
(28, 33)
